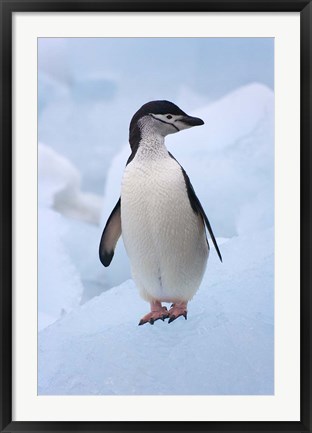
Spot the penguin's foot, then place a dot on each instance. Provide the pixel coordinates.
(157, 312)
(176, 310)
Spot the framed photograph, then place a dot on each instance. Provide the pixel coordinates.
(155, 216)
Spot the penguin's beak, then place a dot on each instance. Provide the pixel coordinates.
(192, 121)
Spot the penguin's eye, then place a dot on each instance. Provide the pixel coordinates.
(169, 116)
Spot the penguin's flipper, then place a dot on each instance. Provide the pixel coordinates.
(110, 236)
(196, 206)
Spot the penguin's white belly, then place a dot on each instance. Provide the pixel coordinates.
(164, 238)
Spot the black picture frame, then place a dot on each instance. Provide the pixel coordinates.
(8, 7)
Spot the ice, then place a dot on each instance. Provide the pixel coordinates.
(225, 346)
(59, 284)
(59, 187)
(81, 241)
(81, 126)
(93, 88)
(68, 236)
(49, 90)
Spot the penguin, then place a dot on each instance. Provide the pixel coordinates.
(159, 216)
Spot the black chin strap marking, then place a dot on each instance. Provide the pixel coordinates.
(167, 123)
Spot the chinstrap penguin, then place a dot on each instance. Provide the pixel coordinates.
(161, 220)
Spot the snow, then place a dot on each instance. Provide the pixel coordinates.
(80, 125)
(59, 187)
(64, 274)
(49, 90)
(60, 288)
(225, 346)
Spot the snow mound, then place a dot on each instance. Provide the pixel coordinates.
(60, 288)
(59, 187)
(225, 347)
(68, 237)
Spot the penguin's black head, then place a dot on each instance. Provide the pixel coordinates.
(160, 117)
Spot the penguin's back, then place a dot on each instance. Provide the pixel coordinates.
(164, 238)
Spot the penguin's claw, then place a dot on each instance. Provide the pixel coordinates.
(177, 310)
(151, 317)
